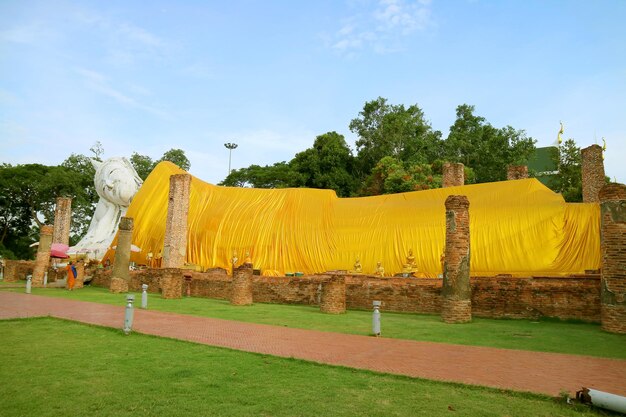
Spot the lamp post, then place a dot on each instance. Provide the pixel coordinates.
(230, 147)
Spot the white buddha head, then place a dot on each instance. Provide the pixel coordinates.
(116, 180)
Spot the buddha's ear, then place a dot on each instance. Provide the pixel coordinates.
(96, 164)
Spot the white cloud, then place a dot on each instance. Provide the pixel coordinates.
(30, 34)
(383, 28)
(99, 83)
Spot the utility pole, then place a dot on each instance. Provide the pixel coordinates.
(230, 147)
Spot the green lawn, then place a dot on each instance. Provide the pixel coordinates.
(543, 335)
(52, 367)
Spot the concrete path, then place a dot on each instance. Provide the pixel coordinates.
(545, 373)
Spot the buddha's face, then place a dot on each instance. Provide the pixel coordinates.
(116, 181)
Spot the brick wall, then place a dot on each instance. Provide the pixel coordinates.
(592, 167)
(613, 246)
(453, 174)
(62, 220)
(566, 298)
(175, 241)
(516, 172)
(496, 297)
(333, 299)
(17, 270)
(242, 289)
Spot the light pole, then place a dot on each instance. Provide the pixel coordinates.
(230, 147)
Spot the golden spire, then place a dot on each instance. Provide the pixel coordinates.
(559, 136)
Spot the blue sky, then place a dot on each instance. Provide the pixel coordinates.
(272, 75)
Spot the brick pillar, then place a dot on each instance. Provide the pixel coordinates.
(43, 255)
(62, 220)
(453, 174)
(456, 291)
(613, 244)
(241, 294)
(120, 276)
(333, 300)
(171, 283)
(10, 270)
(516, 172)
(175, 242)
(80, 275)
(592, 172)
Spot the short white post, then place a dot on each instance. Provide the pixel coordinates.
(45, 279)
(144, 296)
(376, 318)
(28, 283)
(128, 317)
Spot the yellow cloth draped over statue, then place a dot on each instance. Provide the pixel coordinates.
(517, 227)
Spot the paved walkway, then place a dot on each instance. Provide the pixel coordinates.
(546, 373)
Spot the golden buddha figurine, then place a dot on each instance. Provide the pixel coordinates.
(410, 266)
(380, 270)
(357, 266)
(248, 260)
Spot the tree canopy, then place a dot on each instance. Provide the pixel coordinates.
(396, 150)
(28, 196)
(144, 165)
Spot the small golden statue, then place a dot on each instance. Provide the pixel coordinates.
(380, 270)
(442, 259)
(410, 266)
(248, 260)
(234, 259)
(357, 266)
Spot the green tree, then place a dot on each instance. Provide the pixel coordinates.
(14, 214)
(143, 165)
(279, 175)
(178, 157)
(391, 176)
(29, 197)
(85, 197)
(392, 130)
(327, 165)
(568, 181)
(484, 148)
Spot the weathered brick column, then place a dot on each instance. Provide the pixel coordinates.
(333, 300)
(175, 242)
(613, 246)
(516, 172)
(453, 174)
(120, 276)
(241, 294)
(171, 283)
(456, 291)
(80, 275)
(43, 255)
(62, 220)
(592, 172)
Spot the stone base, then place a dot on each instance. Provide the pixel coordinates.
(118, 285)
(614, 318)
(172, 283)
(333, 300)
(241, 294)
(456, 311)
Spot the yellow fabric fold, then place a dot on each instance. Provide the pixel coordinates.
(517, 227)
